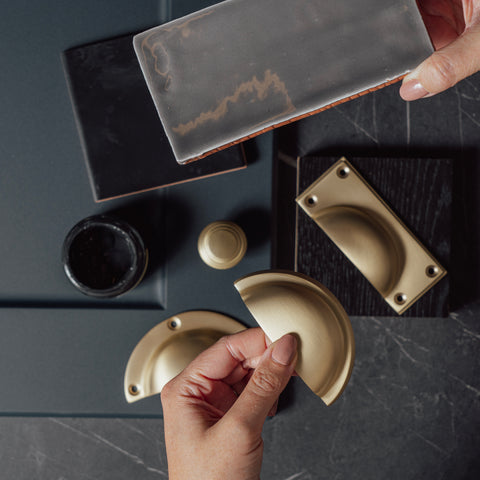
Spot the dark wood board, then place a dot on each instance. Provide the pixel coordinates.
(419, 192)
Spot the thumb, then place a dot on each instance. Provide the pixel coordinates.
(265, 385)
(445, 67)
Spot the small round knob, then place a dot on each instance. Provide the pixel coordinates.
(222, 245)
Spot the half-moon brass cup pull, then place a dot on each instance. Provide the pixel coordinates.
(287, 302)
(169, 347)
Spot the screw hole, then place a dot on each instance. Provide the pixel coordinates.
(174, 324)
(133, 390)
(312, 201)
(400, 298)
(432, 271)
(343, 172)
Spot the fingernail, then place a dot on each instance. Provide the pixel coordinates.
(412, 90)
(284, 350)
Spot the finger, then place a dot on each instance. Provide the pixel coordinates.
(267, 382)
(222, 397)
(444, 68)
(239, 387)
(273, 410)
(222, 359)
(201, 379)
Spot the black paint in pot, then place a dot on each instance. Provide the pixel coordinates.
(104, 256)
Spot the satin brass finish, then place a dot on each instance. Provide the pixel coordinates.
(222, 245)
(371, 235)
(288, 302)
(169, 347)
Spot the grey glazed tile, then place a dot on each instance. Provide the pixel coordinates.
(241, 67)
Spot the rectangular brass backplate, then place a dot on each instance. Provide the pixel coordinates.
(371, 235)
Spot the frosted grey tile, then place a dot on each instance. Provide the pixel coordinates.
(242, 66)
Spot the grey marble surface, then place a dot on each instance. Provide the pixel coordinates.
(410, 411)
(412, 408)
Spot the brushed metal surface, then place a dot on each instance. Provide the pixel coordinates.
(371, 235)
(169, 347)
(288, 302)
(222, 244)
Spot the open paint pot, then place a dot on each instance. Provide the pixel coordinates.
(104, 256)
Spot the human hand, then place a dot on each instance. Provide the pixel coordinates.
(215, 409)
(454, 27)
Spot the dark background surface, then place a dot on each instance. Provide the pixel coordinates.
(61, 352)
(412, 407)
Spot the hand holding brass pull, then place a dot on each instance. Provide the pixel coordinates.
(169, 347)
(215, 409)
(287, 302)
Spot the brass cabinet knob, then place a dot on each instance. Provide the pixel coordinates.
(222, 244)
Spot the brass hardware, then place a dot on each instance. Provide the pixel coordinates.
(400, 298)
(343, 172)
(288, 302)
(174, 324)
(371, 235)
(133, 390)
(432, 271)
(169, 347)
(222, 245)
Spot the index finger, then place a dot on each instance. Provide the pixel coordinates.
(224, 357)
